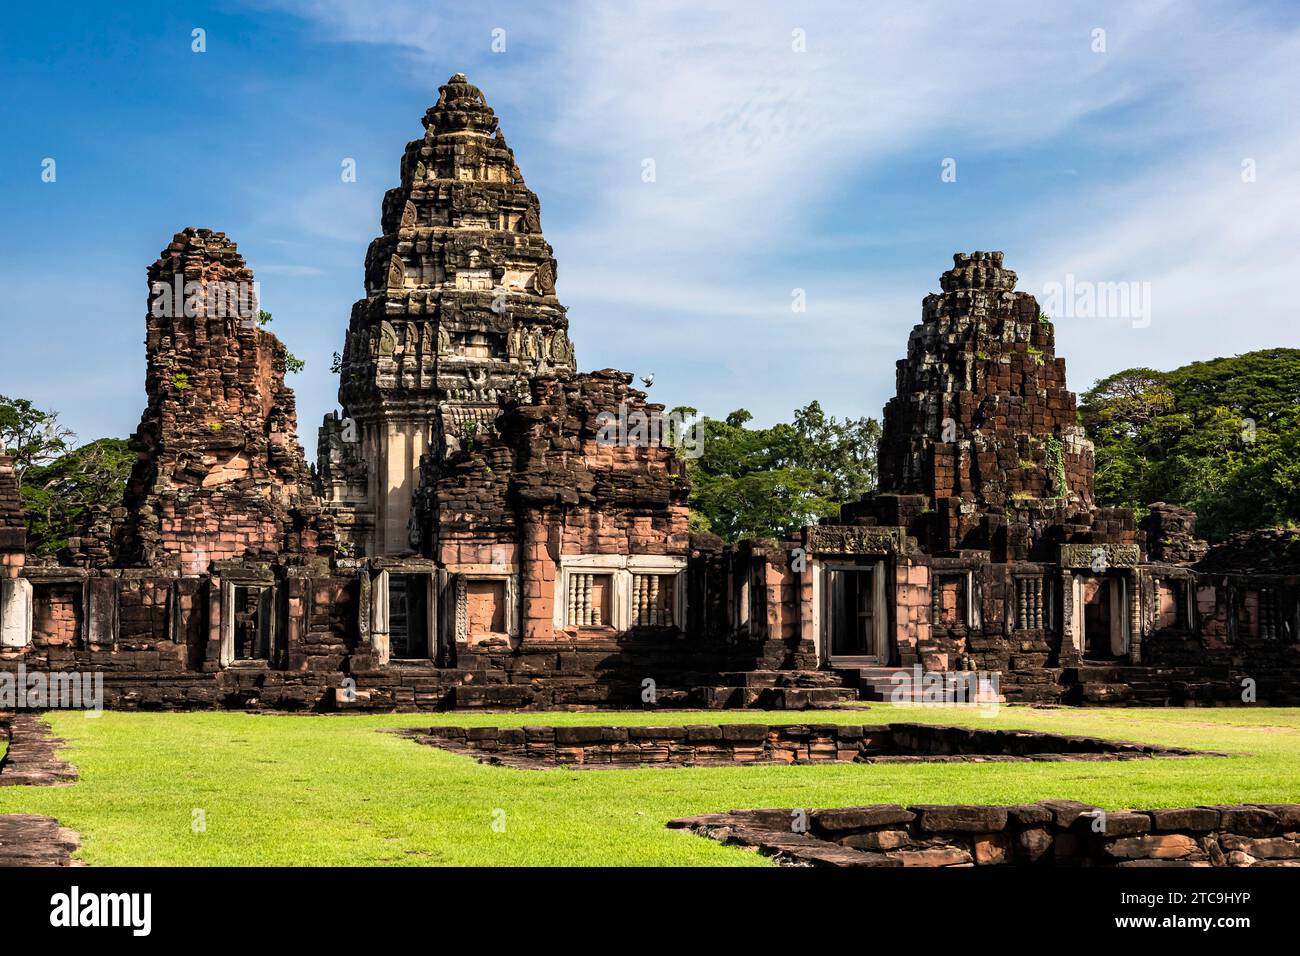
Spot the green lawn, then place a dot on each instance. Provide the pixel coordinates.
(330, 790)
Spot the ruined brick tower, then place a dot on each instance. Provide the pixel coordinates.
(982, 410)
(460, 311)
(220, 473)
(982, 421)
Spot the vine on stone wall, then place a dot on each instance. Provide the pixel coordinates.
(1056, 462)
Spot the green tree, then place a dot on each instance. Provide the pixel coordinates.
(30, 436)
(1217, 436)
(58, 497)
(769, 482)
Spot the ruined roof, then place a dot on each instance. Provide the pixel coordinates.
(1261, 551)
(982, 411)
(220, 472)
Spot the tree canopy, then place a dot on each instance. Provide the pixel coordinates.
(30, 436)
(59, 484)
(769, 482)
(58, 497)
(1221, 437)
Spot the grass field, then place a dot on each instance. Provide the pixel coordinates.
(331, 790)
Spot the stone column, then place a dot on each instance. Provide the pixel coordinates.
(15, 612)
(1069, 653)
(538, 575)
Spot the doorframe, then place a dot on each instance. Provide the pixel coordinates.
(1128, 593)
(879, 565)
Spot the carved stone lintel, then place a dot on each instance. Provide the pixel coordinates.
(850, 539)
(1088, 556)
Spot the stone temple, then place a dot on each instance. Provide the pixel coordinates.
(460, 312)
(470, 538)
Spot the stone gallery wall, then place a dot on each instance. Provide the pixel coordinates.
(1049, 833)
(156, 639)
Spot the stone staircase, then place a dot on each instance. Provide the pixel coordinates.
(775, 690)
(881, 684)
(1153, 686)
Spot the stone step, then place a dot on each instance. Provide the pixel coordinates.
(491, 696)
(781, 678)
(772, 698)
(879, 684)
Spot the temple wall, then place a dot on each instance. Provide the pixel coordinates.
(158, 639)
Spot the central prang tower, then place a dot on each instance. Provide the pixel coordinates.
(460, 311)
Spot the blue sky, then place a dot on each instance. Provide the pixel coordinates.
(776, 169)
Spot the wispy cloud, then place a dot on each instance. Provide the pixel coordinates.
(766, 158)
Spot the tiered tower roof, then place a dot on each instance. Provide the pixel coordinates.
(460, 303)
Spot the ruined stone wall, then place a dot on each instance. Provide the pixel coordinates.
(546, 482)
(1171, 535)
(13, 529)
(1048, 833)
(747, 744)
(220, 472)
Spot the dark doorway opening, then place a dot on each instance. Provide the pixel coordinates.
(408, 616)
(254, 620)
(1105, 618)
(852, 612)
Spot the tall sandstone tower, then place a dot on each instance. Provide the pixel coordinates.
(460, 312)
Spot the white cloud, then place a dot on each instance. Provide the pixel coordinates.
(757, 148)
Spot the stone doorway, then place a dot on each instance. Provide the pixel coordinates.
(1105, 611)
(855, 615)
(408, 622)
(252, 623)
